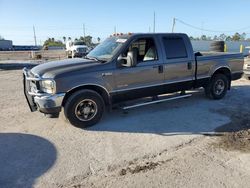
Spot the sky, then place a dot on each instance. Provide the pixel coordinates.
(58, 18)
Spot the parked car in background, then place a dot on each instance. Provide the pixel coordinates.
(76, 49)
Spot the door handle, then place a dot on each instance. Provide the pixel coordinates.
(159, 67)
(189, 65)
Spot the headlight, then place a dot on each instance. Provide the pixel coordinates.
(48, 86)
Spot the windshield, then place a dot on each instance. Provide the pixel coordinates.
(106, 50)
(79, 43)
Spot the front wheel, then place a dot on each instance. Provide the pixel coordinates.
(218, 86)
(84, 108)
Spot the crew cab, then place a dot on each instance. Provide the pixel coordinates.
(127, 67)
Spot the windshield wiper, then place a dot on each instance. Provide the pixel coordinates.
(94, 58)
(91, 58)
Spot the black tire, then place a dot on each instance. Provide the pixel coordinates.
(217, 46)
(217, 87)
(80, 101)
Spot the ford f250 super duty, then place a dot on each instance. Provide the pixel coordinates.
(126, 67)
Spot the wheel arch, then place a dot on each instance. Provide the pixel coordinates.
(97, 88)
(226, 71)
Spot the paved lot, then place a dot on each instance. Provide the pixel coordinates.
(176, 143)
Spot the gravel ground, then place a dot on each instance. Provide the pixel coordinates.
(193, 142)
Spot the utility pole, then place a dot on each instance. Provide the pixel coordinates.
(34, 31)
(202, 28)
(174, 19)
(154, 23)
(84, 31)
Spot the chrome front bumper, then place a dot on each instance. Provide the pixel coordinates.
(45, 103)
(48, 103)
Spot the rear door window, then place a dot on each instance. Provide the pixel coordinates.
(175, 47)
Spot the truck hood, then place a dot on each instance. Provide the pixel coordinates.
(54, 68)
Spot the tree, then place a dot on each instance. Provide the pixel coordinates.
(69, 38)
(64, 39)
(203, 37)
(229, 38)
(98, 39)
(209, 38)
(236, 37)
(87, 40)
(52, 42)
(222, 37)
(215, 37)
(243, 36)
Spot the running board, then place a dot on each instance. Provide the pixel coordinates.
(155, 102)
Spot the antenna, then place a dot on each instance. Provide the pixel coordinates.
(34, 35)
(173, 26)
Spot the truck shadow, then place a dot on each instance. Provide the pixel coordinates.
(24, 158)
(194, 115)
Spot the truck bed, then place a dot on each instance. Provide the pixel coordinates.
(207, 62)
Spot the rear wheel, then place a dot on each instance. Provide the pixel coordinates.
(84, 108)
(218, 86)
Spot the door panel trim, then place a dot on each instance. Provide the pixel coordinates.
(126, 95)
(148, 86)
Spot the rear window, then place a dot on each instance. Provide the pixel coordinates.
(174, 47)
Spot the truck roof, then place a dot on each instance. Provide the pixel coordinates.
(126, 36)
(121, 35)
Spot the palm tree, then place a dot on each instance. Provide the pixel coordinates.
(64, 39)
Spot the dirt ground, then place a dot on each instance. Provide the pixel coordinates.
(31, 55)
(193, 142)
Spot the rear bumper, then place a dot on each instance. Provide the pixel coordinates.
(45, 103)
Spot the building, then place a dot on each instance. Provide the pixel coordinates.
(6, 45)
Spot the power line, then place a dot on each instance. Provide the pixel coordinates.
(209, 30)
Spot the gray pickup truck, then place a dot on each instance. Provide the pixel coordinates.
(127, 67)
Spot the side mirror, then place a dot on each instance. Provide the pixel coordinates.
(130, 60)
